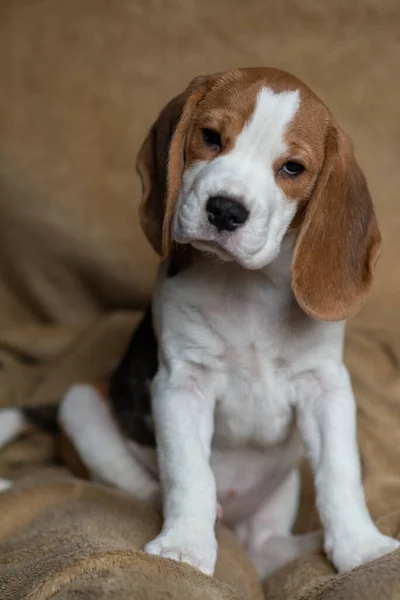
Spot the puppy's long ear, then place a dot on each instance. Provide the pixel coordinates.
(160, 164)
(339, 240)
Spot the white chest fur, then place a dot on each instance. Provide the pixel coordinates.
(245, 339)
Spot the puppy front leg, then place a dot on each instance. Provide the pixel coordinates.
(328, 427)
(183, 415)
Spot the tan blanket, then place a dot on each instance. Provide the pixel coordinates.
(65, 538)
(80, 83)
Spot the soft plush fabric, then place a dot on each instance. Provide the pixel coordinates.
(81, 82)
(65, 538)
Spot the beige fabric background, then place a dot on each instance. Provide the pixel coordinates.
(80, 83)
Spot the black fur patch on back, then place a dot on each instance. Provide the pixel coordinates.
(129, 388)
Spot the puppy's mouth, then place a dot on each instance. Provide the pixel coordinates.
(217, 250)
(213, 248)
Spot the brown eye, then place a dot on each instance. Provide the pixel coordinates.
(292, 168)
(212, 138)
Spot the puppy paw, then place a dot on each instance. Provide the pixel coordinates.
(360, 550)
(199, 552)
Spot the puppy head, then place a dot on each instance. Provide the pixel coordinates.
(241, 157)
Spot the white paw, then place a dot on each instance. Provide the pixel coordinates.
(198, 551)
(362, 549)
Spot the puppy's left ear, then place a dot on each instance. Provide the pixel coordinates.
(160, 164)
(339, 240)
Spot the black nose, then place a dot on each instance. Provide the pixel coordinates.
(225, 213)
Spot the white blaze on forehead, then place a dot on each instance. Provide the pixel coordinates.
(262, 138)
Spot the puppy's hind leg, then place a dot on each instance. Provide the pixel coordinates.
(87, 420)
(267, 535)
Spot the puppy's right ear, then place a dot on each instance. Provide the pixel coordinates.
(160, 164)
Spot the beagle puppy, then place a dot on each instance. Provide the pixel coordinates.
(268, 237)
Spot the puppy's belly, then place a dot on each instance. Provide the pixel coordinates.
(247, 476)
